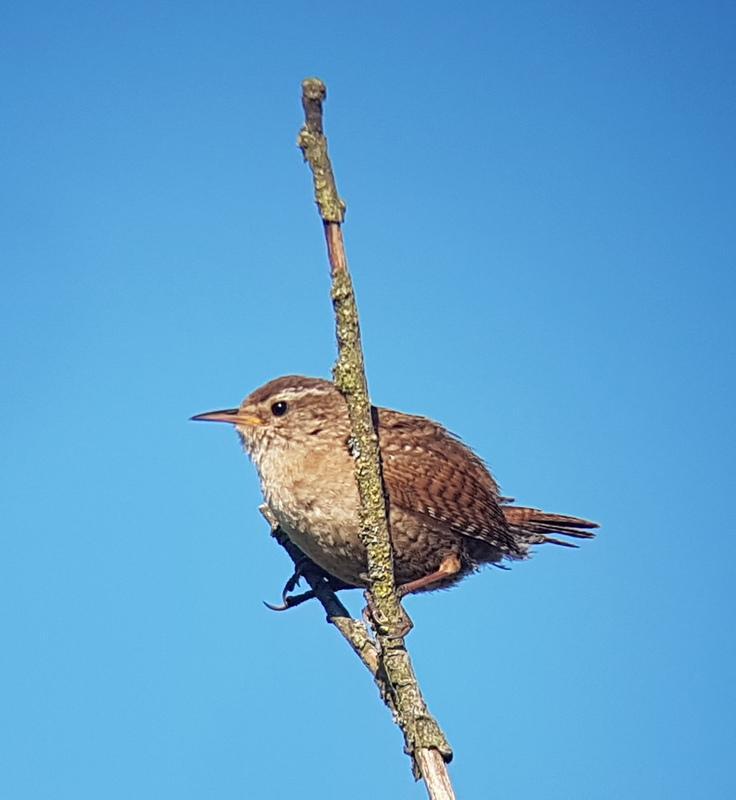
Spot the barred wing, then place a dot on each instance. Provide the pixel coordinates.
(430, 472)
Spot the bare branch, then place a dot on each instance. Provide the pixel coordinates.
(424, 740)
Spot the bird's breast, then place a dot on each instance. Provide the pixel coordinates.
(314, 497)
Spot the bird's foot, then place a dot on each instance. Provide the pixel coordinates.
(289, 600)
(374, 618)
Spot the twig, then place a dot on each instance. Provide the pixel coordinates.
(424, 740)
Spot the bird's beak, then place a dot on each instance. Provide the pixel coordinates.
(232, 415)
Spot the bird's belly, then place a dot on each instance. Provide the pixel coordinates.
(341, 556)
(334, 544)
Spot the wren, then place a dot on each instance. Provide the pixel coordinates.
(447, 517)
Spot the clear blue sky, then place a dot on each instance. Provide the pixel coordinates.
(541, 230)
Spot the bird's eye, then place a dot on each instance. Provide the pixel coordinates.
(279, 409)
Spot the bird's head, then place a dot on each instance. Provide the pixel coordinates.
(292, 410)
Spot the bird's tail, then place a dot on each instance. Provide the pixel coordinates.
(532, 526)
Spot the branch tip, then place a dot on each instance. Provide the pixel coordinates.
(313, 144)
(314, 89)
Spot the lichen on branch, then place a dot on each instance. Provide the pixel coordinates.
(424, 739)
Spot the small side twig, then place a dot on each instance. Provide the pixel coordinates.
(424, 740)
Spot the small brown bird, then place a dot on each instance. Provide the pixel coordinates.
(446, 515)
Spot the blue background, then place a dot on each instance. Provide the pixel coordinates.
(541, 231)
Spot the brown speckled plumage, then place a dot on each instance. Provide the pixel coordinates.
(444, 505)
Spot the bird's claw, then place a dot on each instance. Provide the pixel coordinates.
(372, 616)
(292, 583)
(290, 601)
